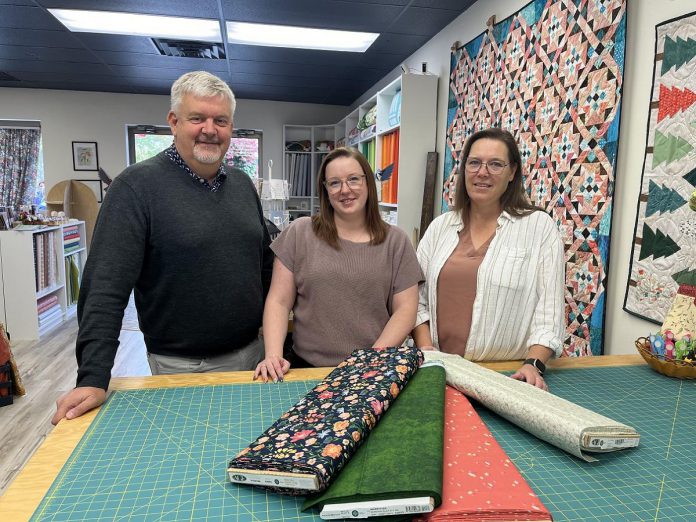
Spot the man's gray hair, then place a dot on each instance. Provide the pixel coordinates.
(201, 84)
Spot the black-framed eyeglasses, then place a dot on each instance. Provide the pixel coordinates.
(334, 185)
(473, 165)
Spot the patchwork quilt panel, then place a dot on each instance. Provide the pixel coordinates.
(552, 74)
(664, 245)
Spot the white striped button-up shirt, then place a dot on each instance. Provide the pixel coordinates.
(519, 295)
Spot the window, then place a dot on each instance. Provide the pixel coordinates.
(145, 141)
(245, 152)
(21, 154)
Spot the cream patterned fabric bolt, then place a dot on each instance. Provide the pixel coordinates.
(681, 318)
(557, 421)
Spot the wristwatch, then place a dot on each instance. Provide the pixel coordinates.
(538, 365)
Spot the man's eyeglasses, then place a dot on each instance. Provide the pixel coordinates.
(473, 165)
(353, 182)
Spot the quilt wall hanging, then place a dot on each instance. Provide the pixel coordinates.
(664, 245)
(552, 74)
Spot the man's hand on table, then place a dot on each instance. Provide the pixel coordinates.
(76, 402)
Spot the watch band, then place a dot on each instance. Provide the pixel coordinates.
(538, 365)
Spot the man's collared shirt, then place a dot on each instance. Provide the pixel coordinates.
(213, 186)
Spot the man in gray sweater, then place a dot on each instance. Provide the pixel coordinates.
(188, 236)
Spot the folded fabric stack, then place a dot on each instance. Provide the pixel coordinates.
(71, 238)
(557, 421)
(480, 482)
(305, 449)
(401, 459)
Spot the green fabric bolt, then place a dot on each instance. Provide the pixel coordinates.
(74, 280)
(402, 457)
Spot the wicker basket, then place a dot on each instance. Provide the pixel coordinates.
(668, 367)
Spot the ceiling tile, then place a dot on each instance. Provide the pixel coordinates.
(44, 54)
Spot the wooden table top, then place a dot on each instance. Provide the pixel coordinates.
(26, 492)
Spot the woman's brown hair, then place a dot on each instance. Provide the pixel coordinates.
(323, 223)
(514, 200)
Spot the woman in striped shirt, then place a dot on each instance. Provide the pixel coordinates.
(493, 267)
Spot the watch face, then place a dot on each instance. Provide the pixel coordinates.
(538, 365)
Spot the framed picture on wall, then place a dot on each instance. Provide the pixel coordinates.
(85, 155)
(97, 187)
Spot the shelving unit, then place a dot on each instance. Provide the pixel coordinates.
(415, 96)
(37, 287)
(305, 148)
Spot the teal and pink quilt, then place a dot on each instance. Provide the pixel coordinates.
(552, 74)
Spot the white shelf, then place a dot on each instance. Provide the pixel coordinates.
(19, 297)
(73, 252)
(390, 205)
(71, 311)
(388, 130)
(45, 291)
(369, 137)
(36, 229)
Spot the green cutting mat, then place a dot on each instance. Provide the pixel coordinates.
(161, 454)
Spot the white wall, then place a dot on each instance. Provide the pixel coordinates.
(68, 116)
(621, 327)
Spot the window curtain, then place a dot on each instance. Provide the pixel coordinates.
(19, 160)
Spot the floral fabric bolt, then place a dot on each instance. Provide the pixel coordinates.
(320, 433)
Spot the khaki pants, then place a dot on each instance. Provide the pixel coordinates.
(245, 358)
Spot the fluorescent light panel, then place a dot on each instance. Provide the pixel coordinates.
(299, 37)
(139, 24)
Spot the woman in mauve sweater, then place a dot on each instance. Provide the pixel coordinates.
(350, 279)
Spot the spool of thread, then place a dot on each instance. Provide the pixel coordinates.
(682, 347)
(668, 335)
(669, 349)
(658, 344)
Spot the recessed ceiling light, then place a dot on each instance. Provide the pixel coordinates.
(299, 37)
(138, 24)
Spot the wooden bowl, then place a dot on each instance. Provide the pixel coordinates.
(669, 367)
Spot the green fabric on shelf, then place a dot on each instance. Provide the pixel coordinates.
(74, 280)
(402, 457)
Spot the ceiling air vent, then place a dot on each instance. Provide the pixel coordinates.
(4, 77)
(189, 49)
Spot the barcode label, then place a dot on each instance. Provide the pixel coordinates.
(417, 509)
(605, 444)
(376, 508)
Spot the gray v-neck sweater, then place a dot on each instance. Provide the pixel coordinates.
(199, 262)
